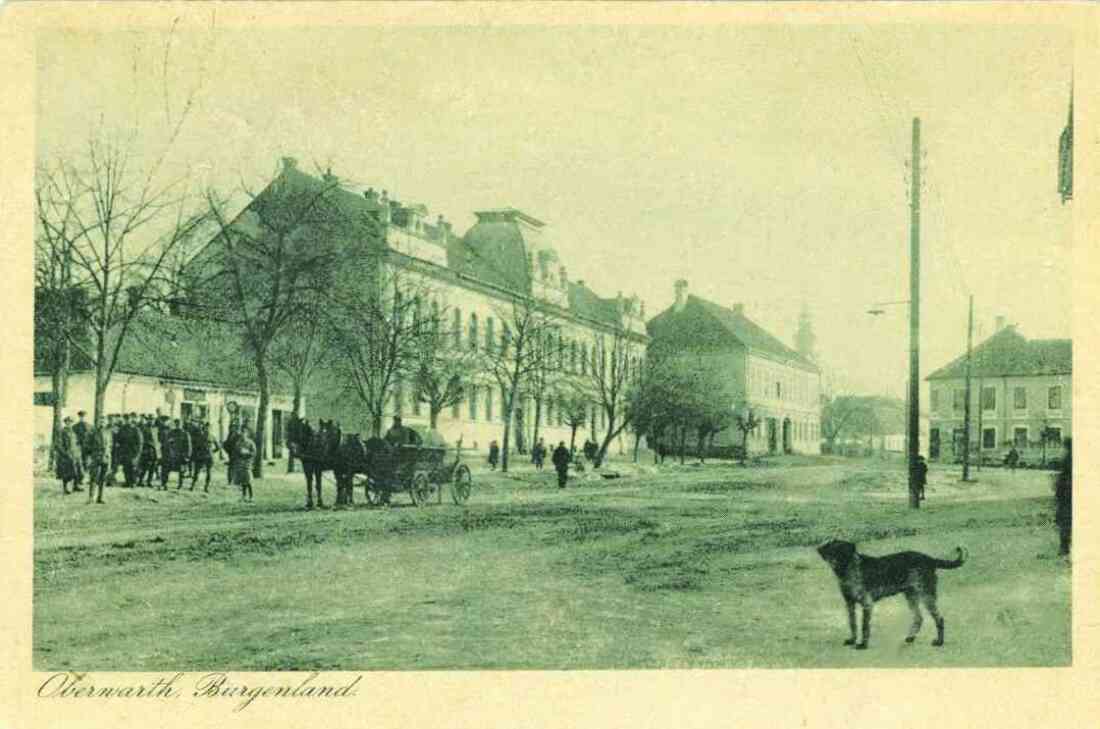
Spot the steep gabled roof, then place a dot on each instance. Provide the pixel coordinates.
(732, 324)
(1009, 354)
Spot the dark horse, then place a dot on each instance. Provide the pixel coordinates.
(317, 450)
(356, 456)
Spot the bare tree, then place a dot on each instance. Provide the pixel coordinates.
(441, 372)
(613, 369)
(574, 409)
(291, 245)
(747, 421)
(117, 225)
(379, 334)
(525, 324)
(544, 378)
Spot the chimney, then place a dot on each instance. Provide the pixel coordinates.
(1000, 324)
(681, 294)
(290, 163)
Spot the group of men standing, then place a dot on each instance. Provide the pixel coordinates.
(145, 447)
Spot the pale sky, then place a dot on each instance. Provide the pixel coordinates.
(764, 165)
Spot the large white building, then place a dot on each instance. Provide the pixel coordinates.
(474, 279)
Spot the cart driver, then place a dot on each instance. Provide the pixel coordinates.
(398, 434)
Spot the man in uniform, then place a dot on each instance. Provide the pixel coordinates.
(202, 455)
(67, 456)
(97, 456)
(229, 447)
(131, 449)
(81, 430)
(561, 460)
(175, 454)
(245, 451)
(114, 425)
(150, 453)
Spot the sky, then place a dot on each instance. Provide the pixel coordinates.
(765, 165)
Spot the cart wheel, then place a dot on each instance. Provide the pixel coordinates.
(461, 484)
(421, 489)
(374, 491)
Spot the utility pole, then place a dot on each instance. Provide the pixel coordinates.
(966, 403)
(914, 321)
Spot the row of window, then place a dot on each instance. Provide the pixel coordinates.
(762, 383)
(988, 398)
(1020, 437)
(801, 430)
(482, 402)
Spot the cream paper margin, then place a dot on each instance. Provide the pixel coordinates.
(1002, 698)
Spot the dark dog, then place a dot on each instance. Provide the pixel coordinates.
(865, 580)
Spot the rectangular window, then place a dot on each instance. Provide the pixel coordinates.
(458, 328)
(778, 391)
(473, 332)
(958, 403)
(584, 359)
(505, 338)
(1054, 398)
(473, 402)
(989, 398)
(1054, 435)
(44, 398)
(989, 438)
(1019, 398)
(1020, 436)
(490, 336)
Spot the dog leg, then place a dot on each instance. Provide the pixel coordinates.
(851, 623)
(914, 605)
(866, 637)
(930, 603)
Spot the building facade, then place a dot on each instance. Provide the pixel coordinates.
(175, 368)
(1020, 395)
(472, 282)
(781, 387)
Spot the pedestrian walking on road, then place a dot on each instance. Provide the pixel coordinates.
(246, 451)
(1063, 501)
(538, 454)
(561, 460)
(494, 455)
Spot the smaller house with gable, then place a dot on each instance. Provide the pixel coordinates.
(779, 385)
(1020, 395)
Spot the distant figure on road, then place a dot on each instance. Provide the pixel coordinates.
(561, 460)
(538, 454)
(1063, 501)
(202, 454)
(246, 451)
(175, 455)
(920, 473)
(494, 455)
(1013, 458)
(97, 456)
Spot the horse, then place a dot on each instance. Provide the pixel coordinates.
(316, 450)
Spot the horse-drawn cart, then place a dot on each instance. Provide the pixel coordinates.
(422, 471)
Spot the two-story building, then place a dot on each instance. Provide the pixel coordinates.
(1021, 395)
(780, 386)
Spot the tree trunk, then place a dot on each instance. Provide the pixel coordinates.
(637, 441)
(60, 384)
(297, 417)
(572, 438)
(376, 425)
(521, 445)
(261, 416)
(683, 442)
(433, 415)
(701, 437)
(507, 433)
(538, 419)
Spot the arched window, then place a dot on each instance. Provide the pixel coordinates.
(490, 336)
(458, 328)
(584, 358)
(505, 338)
(435, 322)
(473, 332)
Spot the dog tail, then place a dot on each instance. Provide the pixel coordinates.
(950, 564)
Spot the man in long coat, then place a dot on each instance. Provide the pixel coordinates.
(1063, 501)
(561, 460)
(150, 451)
(203, 446)
(67, 457)
(97, 456)
(175, 455)
(130, 448)
(81, 430)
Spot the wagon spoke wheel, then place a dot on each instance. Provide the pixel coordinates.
(461, 484)
(422, 489)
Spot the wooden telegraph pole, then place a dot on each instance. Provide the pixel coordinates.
(966, 404)
(913, 447)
